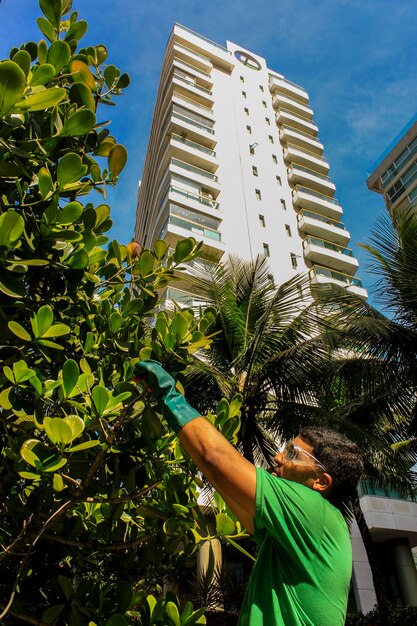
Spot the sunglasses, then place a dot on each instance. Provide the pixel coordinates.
(294, 453)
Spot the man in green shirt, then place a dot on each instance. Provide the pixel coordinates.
(303, 570)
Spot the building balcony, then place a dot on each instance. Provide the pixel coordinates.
(194, 129)
(197, 73)
(193, 58)
(283, 85)
(193, 152)
(190, 88)
(289, 118)
(193, 200)
(289, 135)
(199, 175)
(284, 102)
(192, 105)
(304, 197)
(312, 223)
(176, 228)
(322, 275)
(299, 156)
(389, 516)
(326, 253)
(298, 174)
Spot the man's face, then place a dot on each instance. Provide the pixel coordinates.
(302, 469)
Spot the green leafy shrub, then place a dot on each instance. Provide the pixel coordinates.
(98, 500)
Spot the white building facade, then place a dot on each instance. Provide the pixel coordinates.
(235, 161)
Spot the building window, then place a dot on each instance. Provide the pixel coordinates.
(244, 94)
(294, 263)
(288, 230)
(258, 194)
(262, 220)
(249, 129)
(283, 205)
(268, 121)
(274, 158)
(271, 139)
(252, 149)
(264, 103)
(246, 111)
(279, 181)
(254, 170)
(242, 79)
(266, 249)
(261, 87)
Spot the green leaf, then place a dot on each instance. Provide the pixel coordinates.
(57, 330)
(57, 430)
(29, 475)
(12, 85)
(173, 613)
(57, 483)
(70, 169)
(4, 399)
(52, 10)
(236, 403)
(224, 524)
(47, 29)
(183, 249)
(81, 95)
(12, 226)
(77, 30)
(42, 99)
(117, 159)
(80, 123)
(145, 354)
(110, 74)
(59, 55)
(76, 424)
(12, 287)
(179, 326)
(146, 263)
(100, 398)
(133, 307)
(66, 586)
(9, 169)
(82, 74)
(160, 248)
(70, 374)
(196, 618)
(123, 82)
(44, 320)
(84, 446)
(50, 615)
(22, 58)
(50, 344)
(70, 213)
(42, 75)
(44, 182)
(80, 260)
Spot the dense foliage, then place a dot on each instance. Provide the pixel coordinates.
(98, 501)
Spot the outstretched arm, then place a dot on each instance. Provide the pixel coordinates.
(224, 467)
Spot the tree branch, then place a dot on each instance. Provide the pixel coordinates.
(102, 547)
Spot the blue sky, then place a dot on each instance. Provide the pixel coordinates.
(356, 58)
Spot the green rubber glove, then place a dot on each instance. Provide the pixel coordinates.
(175, 408)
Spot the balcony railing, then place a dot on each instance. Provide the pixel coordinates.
(291, 146)
(308, 171)
(195, 228)
(195, 196)
(212, 43)
(316, 194)
(285, 80)
(194, 169)
(315, 241)
(296, 114)
(299, 132)
(188, 50)
(189, 120)
(194, 103)
(192, 67)
(328, 273)
(321, 218)
(192, 83)
(193, 144)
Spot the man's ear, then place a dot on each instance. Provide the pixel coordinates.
(323, 483)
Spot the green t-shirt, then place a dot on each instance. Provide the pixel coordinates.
(302, 573)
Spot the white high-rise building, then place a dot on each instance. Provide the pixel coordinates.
(235, 161)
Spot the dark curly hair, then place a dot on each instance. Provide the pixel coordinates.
(342, 459)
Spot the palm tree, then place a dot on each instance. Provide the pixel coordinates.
(269, 350)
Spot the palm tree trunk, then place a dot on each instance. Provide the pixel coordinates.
(380, 585)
